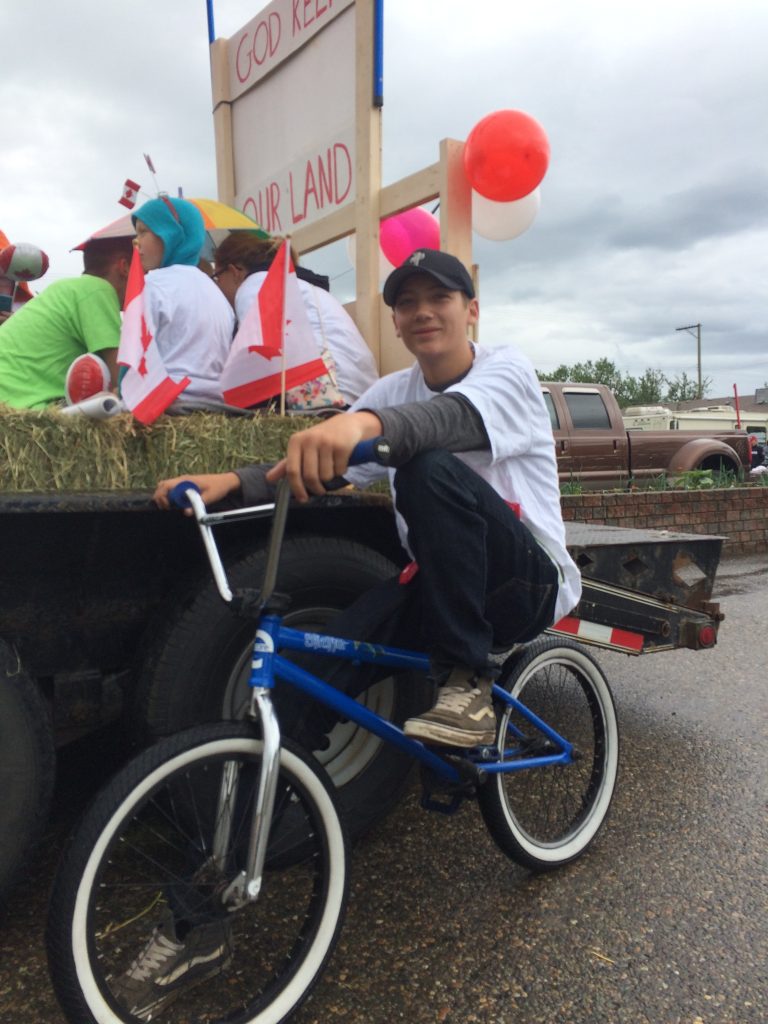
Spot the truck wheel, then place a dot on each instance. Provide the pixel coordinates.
(719, 464)
(197, 666)
(27, 760)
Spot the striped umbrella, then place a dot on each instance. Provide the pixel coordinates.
(219, 220)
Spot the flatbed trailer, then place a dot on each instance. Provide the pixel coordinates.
(108, 614)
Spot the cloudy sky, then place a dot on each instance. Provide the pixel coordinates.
(654, 210)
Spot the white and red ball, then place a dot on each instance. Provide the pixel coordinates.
(87, 376)
(22, 262)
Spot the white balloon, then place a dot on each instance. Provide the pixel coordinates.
(385, 267)
(502, 221)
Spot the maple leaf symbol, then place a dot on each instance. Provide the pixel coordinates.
(146, 339)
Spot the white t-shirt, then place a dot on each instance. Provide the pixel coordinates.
(521, 464)
(333, 328)
(193, 325)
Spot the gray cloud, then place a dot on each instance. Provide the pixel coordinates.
(701, 212)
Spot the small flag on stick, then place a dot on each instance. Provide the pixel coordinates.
(276, 325)
(145, 388)
(130, 193)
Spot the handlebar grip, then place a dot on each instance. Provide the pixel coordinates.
(376, 450)
(177, 495)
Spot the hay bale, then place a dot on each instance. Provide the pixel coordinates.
(44, 451)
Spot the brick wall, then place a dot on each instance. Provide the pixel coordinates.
(739, 514)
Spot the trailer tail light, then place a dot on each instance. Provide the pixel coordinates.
(707, 636)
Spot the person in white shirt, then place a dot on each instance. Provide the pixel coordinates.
(474, 479)
(190, 319)
(242, 261)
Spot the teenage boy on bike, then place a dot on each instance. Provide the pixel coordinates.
(474, 481)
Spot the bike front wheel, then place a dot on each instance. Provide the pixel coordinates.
(138, 927)
(545, 817)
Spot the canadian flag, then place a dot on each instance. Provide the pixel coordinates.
(130, 193)
(145, 388)
(275, 326)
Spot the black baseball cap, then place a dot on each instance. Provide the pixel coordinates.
(449, 271)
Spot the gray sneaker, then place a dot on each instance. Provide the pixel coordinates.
(463, 715)
(166, 966)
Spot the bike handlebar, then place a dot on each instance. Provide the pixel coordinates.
(186, 494)
(178, 496)
(375, 450)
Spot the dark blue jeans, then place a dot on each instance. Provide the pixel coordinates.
(483, 581)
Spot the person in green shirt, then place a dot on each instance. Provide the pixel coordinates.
(69, 318)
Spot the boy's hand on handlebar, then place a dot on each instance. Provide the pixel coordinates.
(213, 487)
(322, 452)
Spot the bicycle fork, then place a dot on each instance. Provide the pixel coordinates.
(246, 886)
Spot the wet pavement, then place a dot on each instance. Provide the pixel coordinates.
(663, 921)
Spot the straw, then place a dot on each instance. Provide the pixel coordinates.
(44, 451)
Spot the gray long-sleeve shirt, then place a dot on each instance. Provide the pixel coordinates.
(449, 422)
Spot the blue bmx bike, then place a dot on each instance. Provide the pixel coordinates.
(232, 827)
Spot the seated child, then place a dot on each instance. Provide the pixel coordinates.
(193, 324)
(242, 261)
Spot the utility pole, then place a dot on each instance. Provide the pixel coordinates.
(690, 329)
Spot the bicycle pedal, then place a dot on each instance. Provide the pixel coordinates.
(447, 797)
(429, 803)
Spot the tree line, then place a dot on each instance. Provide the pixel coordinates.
(650, 388)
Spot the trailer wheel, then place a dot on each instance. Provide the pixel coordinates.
(197, 664)
(27, 765)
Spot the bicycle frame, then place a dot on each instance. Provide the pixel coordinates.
(267, 666)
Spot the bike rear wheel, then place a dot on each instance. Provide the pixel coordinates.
(144, 852)
(545, 817)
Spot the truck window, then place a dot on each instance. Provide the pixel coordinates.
(553, 417)
(587, 410)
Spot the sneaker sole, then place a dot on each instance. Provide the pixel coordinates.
(447, 735)
(164, 1000)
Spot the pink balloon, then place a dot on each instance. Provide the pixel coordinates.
(412, 229)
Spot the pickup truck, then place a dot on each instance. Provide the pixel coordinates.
(595, 449)
(109, 619)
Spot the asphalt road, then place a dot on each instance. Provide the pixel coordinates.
(664, 921)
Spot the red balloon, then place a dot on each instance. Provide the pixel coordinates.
(506, 155)
(402, 234)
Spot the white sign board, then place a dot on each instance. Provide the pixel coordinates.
(292, 87)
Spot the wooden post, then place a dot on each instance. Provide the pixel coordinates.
(222, 122)
(368, 182)
(455, 202)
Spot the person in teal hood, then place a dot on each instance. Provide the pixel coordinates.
(188, 316)
(178, 225)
